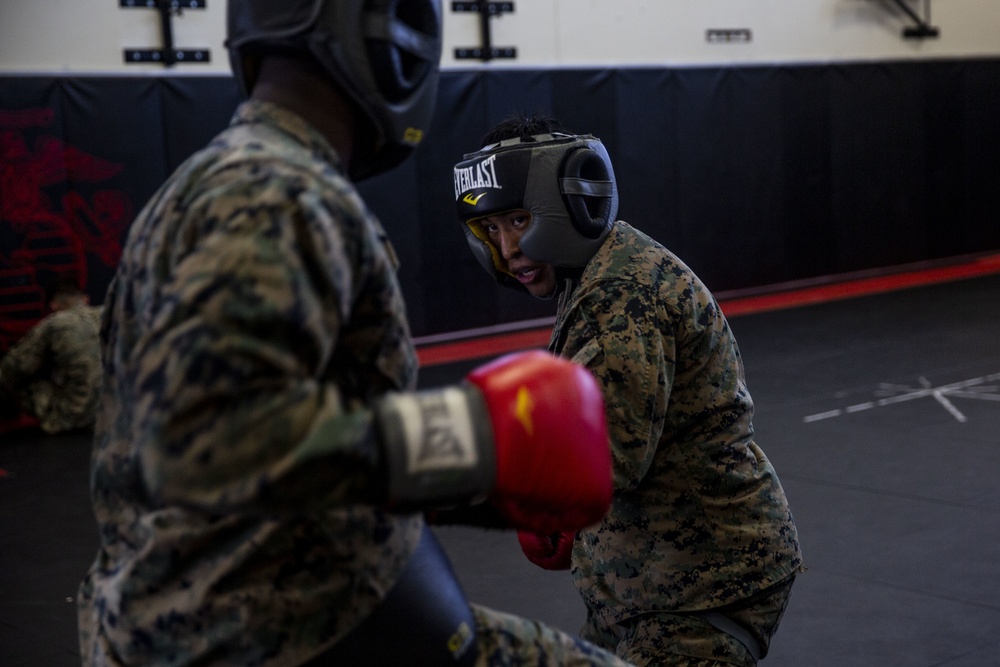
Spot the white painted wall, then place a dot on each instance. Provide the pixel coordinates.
(88, 36)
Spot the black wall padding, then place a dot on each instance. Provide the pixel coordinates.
(754, 175)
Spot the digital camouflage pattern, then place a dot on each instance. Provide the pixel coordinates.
(699, 519)
(54, 370)
(254, 315)
(506, 640)
(662, 639)
(236, 480)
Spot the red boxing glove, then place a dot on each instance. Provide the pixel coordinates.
(552, 454)
(526, 431)
(550, 552)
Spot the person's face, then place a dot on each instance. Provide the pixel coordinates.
(504, 231)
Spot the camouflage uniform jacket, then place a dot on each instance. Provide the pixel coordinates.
(54, 370)
(699, 518)
(254, 316)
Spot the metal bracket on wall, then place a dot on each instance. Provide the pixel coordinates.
(168, 55)
(487, 10)
(923, 28)
(728, 35)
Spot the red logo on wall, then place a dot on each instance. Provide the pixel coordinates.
(53, 214)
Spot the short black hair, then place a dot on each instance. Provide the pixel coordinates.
(62, 285)
(522, 126)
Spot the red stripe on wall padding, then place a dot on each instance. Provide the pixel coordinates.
(490, 346)
(862, 287)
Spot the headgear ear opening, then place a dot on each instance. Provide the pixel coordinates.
(587, 186)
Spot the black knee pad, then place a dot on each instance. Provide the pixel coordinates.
(424, 621)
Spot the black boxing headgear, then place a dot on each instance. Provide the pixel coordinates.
(384, 54)
(565, 181)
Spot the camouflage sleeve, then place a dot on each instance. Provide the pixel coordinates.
(26, 358)
(233, 394)
(614, 333)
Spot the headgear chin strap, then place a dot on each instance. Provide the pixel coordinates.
(565, 181)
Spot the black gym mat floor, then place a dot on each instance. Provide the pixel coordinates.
(881, 415)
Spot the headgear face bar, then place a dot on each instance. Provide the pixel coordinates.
(565, 181)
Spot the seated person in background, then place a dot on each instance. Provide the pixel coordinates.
(694, 562)
(52, 374)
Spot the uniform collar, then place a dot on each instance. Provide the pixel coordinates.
(291, 124)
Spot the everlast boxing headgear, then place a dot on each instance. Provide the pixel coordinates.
(384, 54)
(565, 181)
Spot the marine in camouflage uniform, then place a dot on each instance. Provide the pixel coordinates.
(699, 519)
(694, 562)
(53, 372)
(254, 318)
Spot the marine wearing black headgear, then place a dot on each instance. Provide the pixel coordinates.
(383, 54)
(565, 181)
